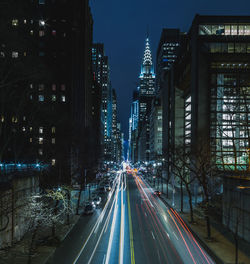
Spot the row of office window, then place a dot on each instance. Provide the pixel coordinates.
(54, 87)
(230, 65)
(41, 98)
(227, 30)
(16, 54)
(224, 47)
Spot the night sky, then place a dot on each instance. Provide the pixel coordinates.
(122, 27)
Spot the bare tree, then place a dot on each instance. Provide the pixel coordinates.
(39, 214)
(180, 168)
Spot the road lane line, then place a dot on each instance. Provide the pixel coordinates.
(175, 236)
(153, 235)
(121, 246)
(132, 253)
(104, 257)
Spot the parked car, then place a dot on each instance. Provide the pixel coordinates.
(107, 188)
(158, 193)
(97, 200)
(89, 209)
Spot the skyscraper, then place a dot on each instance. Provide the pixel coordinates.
(146, 84)
(49, 113)
(146, 95)
(101, 75)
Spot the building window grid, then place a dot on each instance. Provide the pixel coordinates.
(230, 121)
(187, 127)
(226, 29)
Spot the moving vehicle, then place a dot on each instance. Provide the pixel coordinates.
(158, 193)
(97, 200)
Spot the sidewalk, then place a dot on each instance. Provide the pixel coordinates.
(221, 247)
(18, 254)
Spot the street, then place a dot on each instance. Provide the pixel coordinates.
(134, 226)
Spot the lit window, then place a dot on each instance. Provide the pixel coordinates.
(53, 97)
(41, 33)
(2, 55)
(14, 22)
(63, 87)
(24, 129)
(30, 140)
(63, 98)
(41, 87)
(24, 21)
(30, 129)
(53, 162)
(2, 119)
(40, 151)
(31, 32)
(41, 23)
(41, 97)
(53, 32)
(31, 97)
(53, 87)
(14, 119)
(40, 140)
(14, 54)
(53, 130)
(25, 54)
(53, 141)
(41, 2)
(40, 130)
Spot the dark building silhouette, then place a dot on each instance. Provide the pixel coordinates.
(46, 88)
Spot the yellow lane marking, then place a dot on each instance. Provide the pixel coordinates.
(130, 231)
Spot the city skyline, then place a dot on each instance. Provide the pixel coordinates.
(127, 36)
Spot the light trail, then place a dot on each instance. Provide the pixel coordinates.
(113, 223)
(122, 226)
(95, 227)
(132, 253)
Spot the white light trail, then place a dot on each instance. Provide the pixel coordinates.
(113, 224)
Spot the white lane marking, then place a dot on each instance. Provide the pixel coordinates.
(167, 234)
(145, 214)
(153, 235)
(104, 257)
(121, 249)
(175, 236)
(159, 255)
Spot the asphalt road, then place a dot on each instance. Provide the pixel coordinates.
(134, 226)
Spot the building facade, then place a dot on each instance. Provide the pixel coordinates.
(206, 102)
(146, 95)
(46, 45)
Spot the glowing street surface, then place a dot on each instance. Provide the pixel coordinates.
(134, 226)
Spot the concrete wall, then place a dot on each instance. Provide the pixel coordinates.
(11, 203)
(236, 209)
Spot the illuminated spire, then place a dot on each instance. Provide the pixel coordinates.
(147, 58)
(147, 63)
